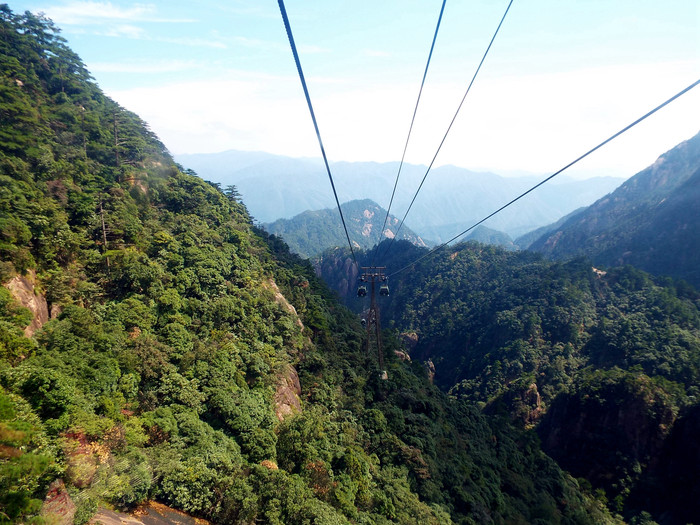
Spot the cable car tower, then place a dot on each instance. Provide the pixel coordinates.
(374, 275)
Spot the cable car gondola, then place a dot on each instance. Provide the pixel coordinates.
(361, 291)
(384, 290)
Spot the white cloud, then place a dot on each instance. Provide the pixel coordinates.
(83, 12)
(107, 19)
(375, 53)
(219, 114)
(306, 49)
(255, 43)
(192, 42)
(537, 123)
(543, 122)
(257, 11)
(125, 30)
(161, 66)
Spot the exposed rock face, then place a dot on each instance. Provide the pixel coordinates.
(651, 222)
(431, 370)
(281, 299)
(313, 232)
(409, 340)
(522, 401)
(340, 265)
(83, 458)
(287, 400)
(110, 517)
(402, 355)
(23, 289)
(58, 507)
(152, 513)
(527, 405)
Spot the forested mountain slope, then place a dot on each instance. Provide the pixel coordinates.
(605, 366)
(652, 221)
(524, 241)
(312, 232)
(155, 345)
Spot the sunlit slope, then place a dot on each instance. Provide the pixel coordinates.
(651, 222)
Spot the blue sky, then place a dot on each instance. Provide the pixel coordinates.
(562, 76)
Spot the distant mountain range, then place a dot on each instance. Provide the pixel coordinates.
(451, 200)
(312, 232)
(651, 222)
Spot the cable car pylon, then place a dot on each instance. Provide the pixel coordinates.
(374, 275)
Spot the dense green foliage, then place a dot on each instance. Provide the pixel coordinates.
(651, 222)
(612, 358)
(175, 326)
(312, 232)
(476, 307)
(26, 457)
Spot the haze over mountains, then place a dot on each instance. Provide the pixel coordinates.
(651, 221)
(451, 200)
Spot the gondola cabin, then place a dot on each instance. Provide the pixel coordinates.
(361, 291)
(384, 290)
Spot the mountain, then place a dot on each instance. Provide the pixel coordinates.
(156, 345)
(524, 241)
(652, 221)
(451, 200)
(486, 235)
(603, 366)
(312, 232)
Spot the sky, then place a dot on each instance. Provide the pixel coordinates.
(561, 77)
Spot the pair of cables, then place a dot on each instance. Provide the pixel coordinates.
(444, 137)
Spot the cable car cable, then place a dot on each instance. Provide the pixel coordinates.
(288, 27)
(410, 129)
(623, 130)
(448, 129)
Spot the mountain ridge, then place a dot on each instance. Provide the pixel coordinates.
(652, 221)
(314, 231)
(451, 195)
